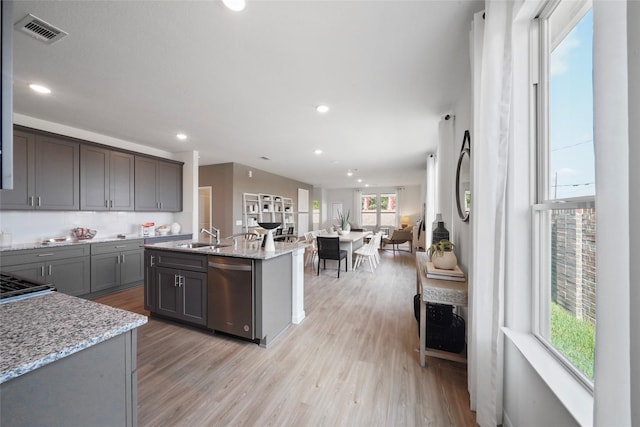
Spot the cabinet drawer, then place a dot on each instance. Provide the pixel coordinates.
(27, 256)
(115, 247)
(180, 261)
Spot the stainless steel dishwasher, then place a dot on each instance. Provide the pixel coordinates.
(230, 301)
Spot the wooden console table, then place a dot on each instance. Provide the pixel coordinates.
(442, 292)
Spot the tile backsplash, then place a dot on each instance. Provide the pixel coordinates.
(30, 226)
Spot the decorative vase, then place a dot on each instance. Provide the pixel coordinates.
(444, 260)
(439, 231)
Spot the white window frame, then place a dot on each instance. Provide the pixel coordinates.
(572, 13)
(378, 195)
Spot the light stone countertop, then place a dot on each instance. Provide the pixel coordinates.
(39, 330)
(243, 248)
(70, 242)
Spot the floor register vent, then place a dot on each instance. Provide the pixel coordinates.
(39, 29)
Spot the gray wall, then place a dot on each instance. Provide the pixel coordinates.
(230, 180)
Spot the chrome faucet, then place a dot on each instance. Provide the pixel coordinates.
(216, 235)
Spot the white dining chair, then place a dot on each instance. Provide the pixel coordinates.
(370, 252)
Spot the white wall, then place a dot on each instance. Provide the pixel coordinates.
(33, 226)
(633, 40)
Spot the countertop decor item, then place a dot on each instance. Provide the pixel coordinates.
(175, 228)
(269, 245)
(83, 233)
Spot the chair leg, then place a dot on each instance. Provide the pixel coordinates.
(319, 266)
(339, 263)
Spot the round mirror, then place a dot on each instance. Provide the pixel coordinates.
(463, 184)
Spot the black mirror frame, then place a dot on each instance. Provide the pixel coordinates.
(465, 150)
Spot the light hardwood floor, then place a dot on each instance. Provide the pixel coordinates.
(352, 362)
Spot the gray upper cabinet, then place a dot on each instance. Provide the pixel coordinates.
(106, 179)
(47, 174)
(158, 185)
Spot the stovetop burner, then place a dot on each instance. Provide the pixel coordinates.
(15, 287)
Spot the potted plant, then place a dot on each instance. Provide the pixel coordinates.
(343, 219)
(442, 255)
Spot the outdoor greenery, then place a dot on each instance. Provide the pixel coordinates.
(574, 338)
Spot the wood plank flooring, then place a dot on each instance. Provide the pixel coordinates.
(353, 361)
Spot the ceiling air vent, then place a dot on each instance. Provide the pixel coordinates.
(39, 29)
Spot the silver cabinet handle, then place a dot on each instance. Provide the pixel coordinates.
(50, 269)
(30, 200)
(110, 203)
(181, 281)
(152, 260)
(49, 254)
(123, 258)
(175, 280)
(120, 246)
(38, 200)
(42, 270)
(106, 203)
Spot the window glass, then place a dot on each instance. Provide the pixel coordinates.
(565, 217)
(369, 210)
(572, 171)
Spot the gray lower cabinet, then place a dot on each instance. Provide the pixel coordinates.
(176, 285)
(67, 268)
(46, 173)
(158, 185)
(116, 264)
(96, 386)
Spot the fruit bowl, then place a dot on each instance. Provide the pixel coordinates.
(82, 233)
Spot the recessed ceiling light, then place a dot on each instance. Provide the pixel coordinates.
(317, 152)
(40, 89)
(322, 109)
(181, 136)
(366, 185)
(349, 173)
(235, 5)
(359, 179)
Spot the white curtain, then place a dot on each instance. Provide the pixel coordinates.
(430, 198)
(357, 206)
(446, 170)
(492, 114)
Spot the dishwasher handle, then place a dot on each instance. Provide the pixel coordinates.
(235, 267)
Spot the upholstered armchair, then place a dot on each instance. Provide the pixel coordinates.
(399, 236)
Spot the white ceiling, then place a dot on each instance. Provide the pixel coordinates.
(245, 84)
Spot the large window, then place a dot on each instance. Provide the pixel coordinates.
(564, 217)
(379, 210)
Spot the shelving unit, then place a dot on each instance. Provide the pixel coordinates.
(267, 208)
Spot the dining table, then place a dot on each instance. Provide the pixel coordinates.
(351, 242)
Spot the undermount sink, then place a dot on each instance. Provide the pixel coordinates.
(194, 245)
(199, 245)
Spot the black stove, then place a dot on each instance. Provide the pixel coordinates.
(16, 287)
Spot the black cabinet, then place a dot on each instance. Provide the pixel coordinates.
(158, 185)
(67, 268)
(176, 285)
(46, 173)
(106, 179)
(116, 264)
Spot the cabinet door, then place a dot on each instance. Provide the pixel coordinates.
(121, 174)
(167, 292)
(21, 197)
(149, 280)
(194, 293)
(57, 172)
(33, 271)
(70, 276)
(94, 178)
(105, 271)
(169, 186)
(145, 184)
(132, 267)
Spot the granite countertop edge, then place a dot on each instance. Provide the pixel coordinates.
(17, 357)
(251, 250)
(73, 242)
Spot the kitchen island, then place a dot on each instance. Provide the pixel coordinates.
(67, 361)
(236, 288)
